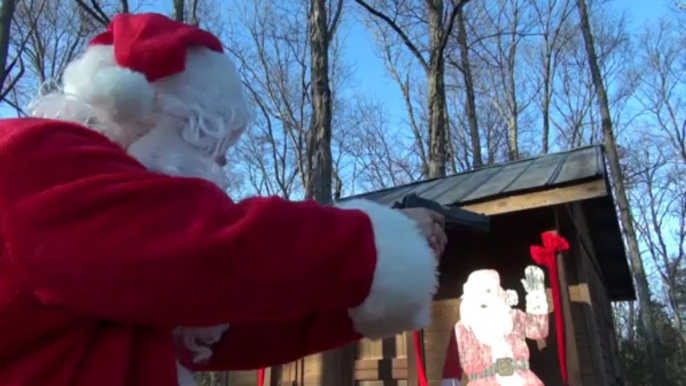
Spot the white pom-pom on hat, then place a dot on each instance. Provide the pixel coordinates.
(119, 92)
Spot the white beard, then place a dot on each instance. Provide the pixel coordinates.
(163, 151)
(489, 326)
(491, 329)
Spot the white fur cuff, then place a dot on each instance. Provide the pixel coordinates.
(405, 279)
(199, 340)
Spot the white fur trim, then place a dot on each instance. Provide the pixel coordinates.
(405, 279)
(184, 376)
(199, 340)
(95, 78)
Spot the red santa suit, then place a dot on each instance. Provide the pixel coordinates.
(491, 336)
(114, 267)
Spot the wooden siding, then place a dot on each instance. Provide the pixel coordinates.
(591, 307)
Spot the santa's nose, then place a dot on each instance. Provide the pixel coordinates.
(221, 160)
(483, 306)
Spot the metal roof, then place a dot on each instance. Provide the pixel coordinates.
(530, 175)
(540, 173)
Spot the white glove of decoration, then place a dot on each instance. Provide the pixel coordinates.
(534, 285)
(512, 299)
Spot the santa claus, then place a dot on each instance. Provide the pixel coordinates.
(491, 335)
(122, 254)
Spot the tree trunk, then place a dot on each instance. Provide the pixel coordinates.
(470, 98)
(437, 103)
(546, 100)
(179, 10)
(656, 353)
(193, 20)
(321, 170)
(513, 125)
(7, 8)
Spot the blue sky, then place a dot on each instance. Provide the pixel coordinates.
(373, 81)
(371, 78)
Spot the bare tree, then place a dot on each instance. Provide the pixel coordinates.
(11, 73)
(6, 14)
(439, 30)
(320, 161)
(656, 351)
(95, 10)
(465, 68)
(272, 45)
(401, 71)
(179, 8)
(382, 158)
(48, 34)
(661, 87)
(192, 11)
(661, 157)
(660, 206)
(553, 19)
(503, 29)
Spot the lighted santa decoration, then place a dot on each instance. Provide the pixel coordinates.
(491, 334)
(115, 268)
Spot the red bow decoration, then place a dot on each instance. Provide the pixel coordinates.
(260, 377)
(547, 257)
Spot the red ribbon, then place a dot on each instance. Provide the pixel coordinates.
(421, 373)
(547, 257)
(260, 377)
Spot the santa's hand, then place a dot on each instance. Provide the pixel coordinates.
(537, 303)
(534, 285)
(432, 225)
(534, 280)
(511, 298)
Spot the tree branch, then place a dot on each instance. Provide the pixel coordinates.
(336, 20)
(95, 11)
(397, 30)
(449, 28)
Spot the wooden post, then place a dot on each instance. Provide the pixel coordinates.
(338, 367)
(573, 368)
(583, 266)
(570, 337)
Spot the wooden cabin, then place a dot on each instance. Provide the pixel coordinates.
(566, 192)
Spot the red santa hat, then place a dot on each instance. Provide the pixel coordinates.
(147, 47)
(141, 56)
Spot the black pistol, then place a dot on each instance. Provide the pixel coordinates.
(454, 217)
